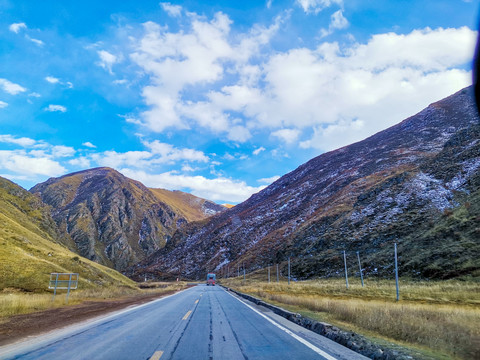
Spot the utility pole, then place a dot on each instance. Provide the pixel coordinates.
(244, 272)
(345, 261)
(289, 270)
(396, 273)
(360, 266)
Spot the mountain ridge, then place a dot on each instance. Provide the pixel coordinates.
(378, 184)
(114, 220)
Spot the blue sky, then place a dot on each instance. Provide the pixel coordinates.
(216, 98)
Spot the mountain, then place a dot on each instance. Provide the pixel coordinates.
(191, 207)
(415, 184)
(30, 246)
(114, 220)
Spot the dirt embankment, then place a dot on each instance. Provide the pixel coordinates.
(19, 327)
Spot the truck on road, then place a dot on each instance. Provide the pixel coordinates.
(211, 279)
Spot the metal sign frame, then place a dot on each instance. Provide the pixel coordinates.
(63, 281)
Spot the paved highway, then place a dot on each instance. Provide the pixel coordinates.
(199, 323)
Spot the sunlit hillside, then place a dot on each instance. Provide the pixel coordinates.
(29, 248)
(190, 206)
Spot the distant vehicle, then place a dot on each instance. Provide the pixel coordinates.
(211, 279)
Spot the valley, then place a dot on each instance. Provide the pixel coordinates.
(416, 185)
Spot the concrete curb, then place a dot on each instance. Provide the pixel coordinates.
(348, 339)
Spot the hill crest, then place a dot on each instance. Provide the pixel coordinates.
(114, 220)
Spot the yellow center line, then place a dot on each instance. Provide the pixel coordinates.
(156, 355)
(187, 315)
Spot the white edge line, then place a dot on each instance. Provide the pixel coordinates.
(37, 341)
(292, 334)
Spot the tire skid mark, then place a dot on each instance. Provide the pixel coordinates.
(183, 331)
(233, 332)
(210, 343)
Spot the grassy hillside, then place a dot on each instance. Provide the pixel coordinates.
(30, 249)
(188, 205)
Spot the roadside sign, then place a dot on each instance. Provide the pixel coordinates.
(63, 281)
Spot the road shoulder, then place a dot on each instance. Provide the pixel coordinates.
(19, 327)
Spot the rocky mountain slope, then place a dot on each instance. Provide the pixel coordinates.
(416, 184)
(30, 248)
(114, 220)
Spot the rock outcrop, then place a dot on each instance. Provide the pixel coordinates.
(114, 220)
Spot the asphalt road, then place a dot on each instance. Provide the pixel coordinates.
(203, 322)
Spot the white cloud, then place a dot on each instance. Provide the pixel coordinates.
(269, 180)
(23, 141)
(36, 41)
(159, 153)
(188, 168)
(55, 108)
(168, 153)
(337, 22)
(107, 60)
(239, 134)
(35, 94)
(20, 162)
(198, 57)
(89, 144)
(10, 87)
(269, 4)
(172, 10)
(15, 177)
(335, 135)
(217, 189)
(289, 136)
(3, 104)
(259, 150)
(315, 6)
(204, 77)
(82, 162)
(60, 151)
(16, 27)
(375, 84)
(114, 159)
(52, 80)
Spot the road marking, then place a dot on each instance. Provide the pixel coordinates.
(156, 355)
(39, 341)
(187, 315)
(292, 334)
(196, 302)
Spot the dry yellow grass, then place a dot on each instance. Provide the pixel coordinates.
(13, 302)
(442, 317)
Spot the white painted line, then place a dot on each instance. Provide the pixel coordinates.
(156, 355)
(292, 334)
(47, 338)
